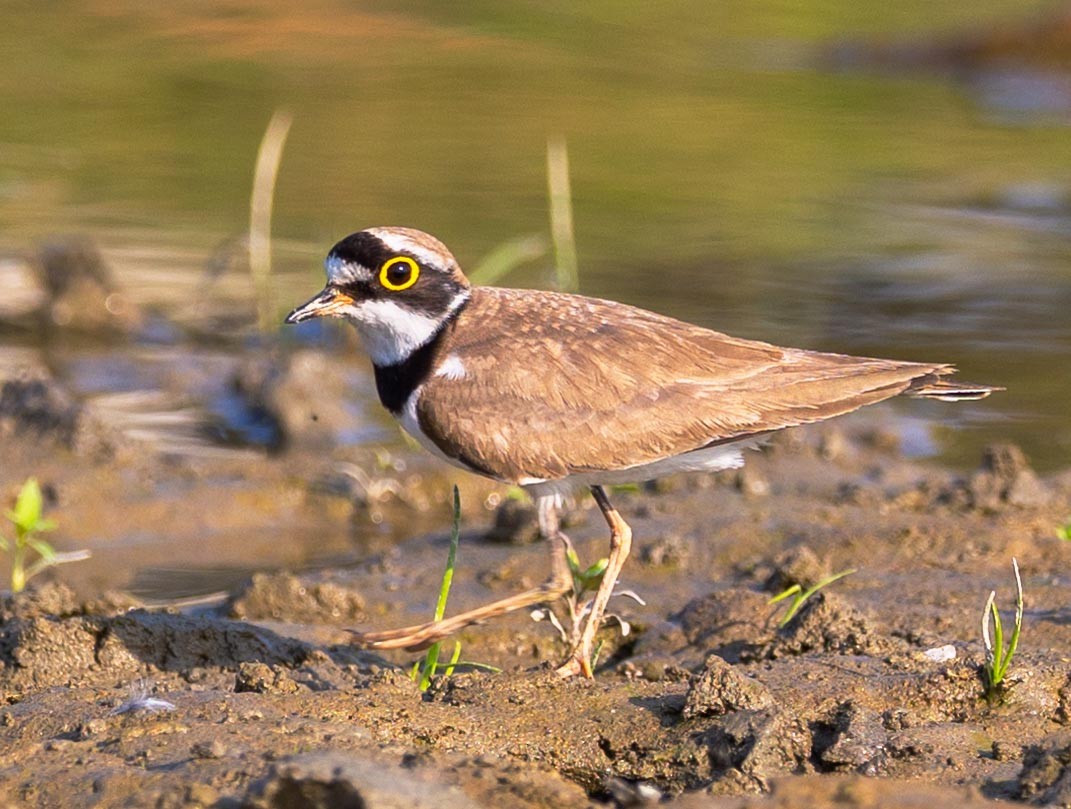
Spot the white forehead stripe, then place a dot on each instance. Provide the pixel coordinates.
(340, 271)
(400, 243)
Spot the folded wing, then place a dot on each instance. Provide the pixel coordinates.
(580, 385)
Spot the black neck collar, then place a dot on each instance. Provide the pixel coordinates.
(396, 383)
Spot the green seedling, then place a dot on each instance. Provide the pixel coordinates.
(1064, 531)
(26, 518)
(998, 658)
(425, 670)
(585, 580)
(799, 596)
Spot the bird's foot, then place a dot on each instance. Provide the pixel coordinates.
(578, 664)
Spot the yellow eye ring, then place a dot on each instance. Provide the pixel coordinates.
(399, 273)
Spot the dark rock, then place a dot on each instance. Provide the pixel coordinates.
(720, 689)
(516, 523)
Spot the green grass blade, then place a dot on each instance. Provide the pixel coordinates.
(791, 591)
(997, 665)
(431, 663)
(507, 257)
(428, 668)
(451, 556)
(453, 659)
(561, 215)
(827, 581)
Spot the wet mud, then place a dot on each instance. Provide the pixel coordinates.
(119, 688)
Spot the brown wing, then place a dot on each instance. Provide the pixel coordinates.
(564, 384)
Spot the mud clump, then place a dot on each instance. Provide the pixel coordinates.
(516, 523)
(35, 403)
(726, 623)
(40, 651)
(46, 598)
(285, 597)
(847, 792)
(748, 748)
(1046, 776)
(856, 741)
(720, 689)
(55, 599)
(260, 678)
(1004, 479)
(799, 565)
(669, 551)
(296, 397)
(825, 624)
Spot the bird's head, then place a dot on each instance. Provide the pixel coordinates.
(397, 286)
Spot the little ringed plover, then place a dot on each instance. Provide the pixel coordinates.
(552, 392)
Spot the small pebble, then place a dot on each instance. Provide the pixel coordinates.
(941, 654)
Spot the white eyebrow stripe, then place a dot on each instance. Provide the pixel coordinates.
(400, 243)
(340, 271)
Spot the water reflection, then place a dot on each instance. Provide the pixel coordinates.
(775, 175)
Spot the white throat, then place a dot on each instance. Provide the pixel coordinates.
(390, 332)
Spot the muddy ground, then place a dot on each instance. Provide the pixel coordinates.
(873, 695)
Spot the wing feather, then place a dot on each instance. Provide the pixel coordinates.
(565, 384)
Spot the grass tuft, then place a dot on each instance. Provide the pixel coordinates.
(799, 596)
(425, 670)
(998, 657)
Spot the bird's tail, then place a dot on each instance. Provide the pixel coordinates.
(933, 386)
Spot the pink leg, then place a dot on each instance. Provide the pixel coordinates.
(421, 636)
(579, 661)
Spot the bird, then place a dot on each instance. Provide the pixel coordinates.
(554, 392)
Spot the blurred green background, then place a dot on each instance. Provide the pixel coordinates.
(883, 178)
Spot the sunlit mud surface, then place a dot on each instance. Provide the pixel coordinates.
(165, 672)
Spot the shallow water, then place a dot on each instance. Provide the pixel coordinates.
(726, 169)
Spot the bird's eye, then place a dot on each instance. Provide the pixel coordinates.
(399, 273)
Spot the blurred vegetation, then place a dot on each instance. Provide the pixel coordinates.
(706, 126)
(722, 169)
